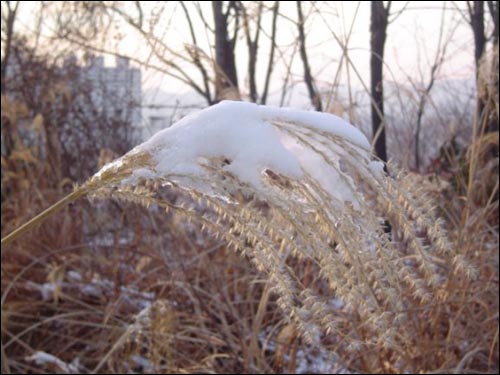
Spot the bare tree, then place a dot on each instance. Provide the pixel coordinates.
(270, 64)
(424, 93)
(215, 70)
(308, 78)
(256, 12)
(486, 91)
(476, 20)
(226, 77)
(171, 61)
(253, 45)
(197, 56)
(378, 28)
(493, 7)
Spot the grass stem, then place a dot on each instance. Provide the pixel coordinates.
(76, 194)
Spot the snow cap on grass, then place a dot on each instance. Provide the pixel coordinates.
(248, 139)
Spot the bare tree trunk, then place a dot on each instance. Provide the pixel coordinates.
(378, 28)
(253, 46)
(493, 7)
(263, 99)
(226, 79)
(308, 78)
(492, 126)
(476, 14)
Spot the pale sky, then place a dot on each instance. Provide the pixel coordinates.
(410, 50)
(411, 44)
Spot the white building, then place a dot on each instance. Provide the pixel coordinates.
(115, 91)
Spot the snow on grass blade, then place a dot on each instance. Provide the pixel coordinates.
(246, 140)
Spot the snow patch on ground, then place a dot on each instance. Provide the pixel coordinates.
(97, 287)
(312, 358)
(41, 358)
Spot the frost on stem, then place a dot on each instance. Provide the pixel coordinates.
(279, 184)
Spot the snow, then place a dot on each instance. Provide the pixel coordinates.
(309, 359)
(248, 139)
(42, 358)
(377, 167)
(97, 287)
(144, 363)
(318, 360)
(315, 120)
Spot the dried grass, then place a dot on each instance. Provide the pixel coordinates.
(167, 292)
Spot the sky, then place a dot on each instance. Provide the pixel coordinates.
(411, 44)
(410, 49)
